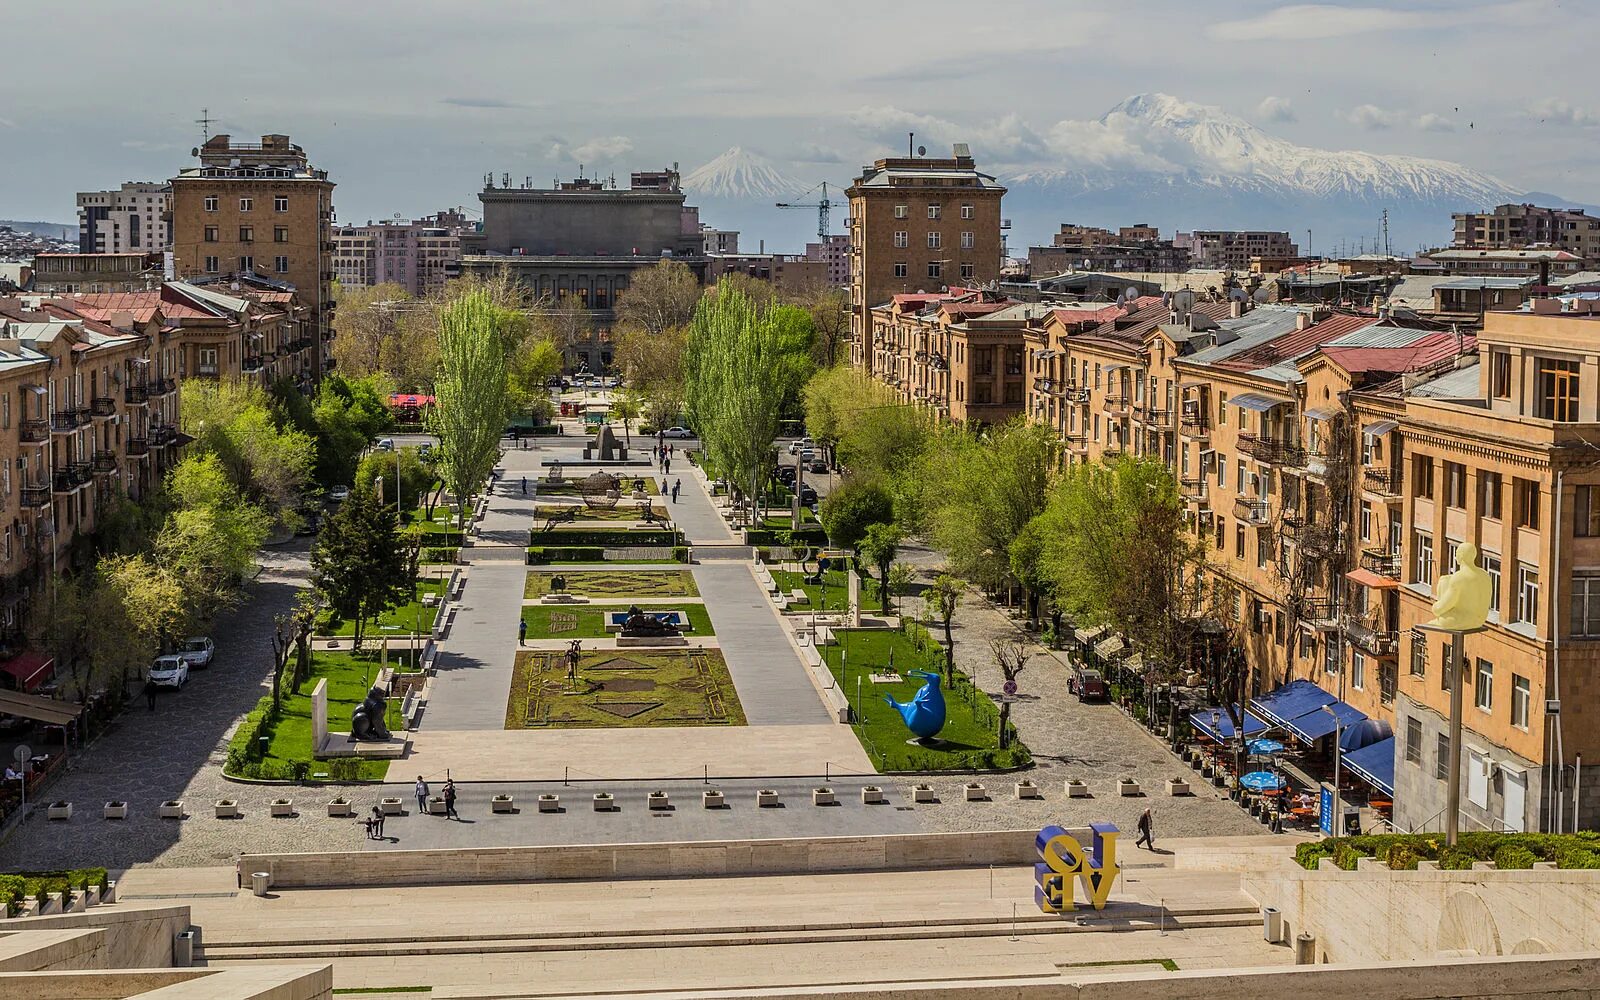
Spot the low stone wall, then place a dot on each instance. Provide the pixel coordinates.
(1374, 914)
(798, 856)
(134, 937)
(265, 982)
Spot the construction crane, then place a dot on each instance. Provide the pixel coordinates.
(822, 206)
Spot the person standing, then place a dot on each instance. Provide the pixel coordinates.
(524, 485)
(1146, 836)
(675, 485)
(522, 632)
(422, 795)
(150, 693)
(666, 465)
(377, 823)
(450, 800)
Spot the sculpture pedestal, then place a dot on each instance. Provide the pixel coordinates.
(651, 640)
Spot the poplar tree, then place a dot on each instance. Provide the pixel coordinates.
(470, 406)
(735, 384)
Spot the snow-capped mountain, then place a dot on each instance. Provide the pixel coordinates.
(739, 174)
(1181, 165)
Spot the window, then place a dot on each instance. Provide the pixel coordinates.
(935, 269)
(1527, 594)
(1586, 603)
(1521, 700)
(902, 238)
(247, 264)
(1424, 476)
(1441, 759)
(247, 204)
(900, 269)
(1491, 565)
(280, 265)
(1490, 488)
(967, 211)
(247, 234)
(1366, 520)
(1423, 543)
(1222, 409)
(1358, 669)
(935, 240)
(1239, 483)
(1238, 541)
(1263, 548)
(1222, 470)
(211, 234)
(211, 265)
(1419, 656)
(211, 203)
(1483, 686)
(1455, 485)
(966, 240)
(1500, 375)
(1586, 512)
(280, 234)
(1525, 502)
(1558, 389)
(933, 210)
(1414, 742)
(902, 211)
(969, 269)
(280, 203)
(1330, 658)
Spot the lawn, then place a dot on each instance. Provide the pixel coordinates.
(350, 676)
(627, 510)
(783, 522)
(623, 688)
(836, 592)
(618, 583)
(582, 621)
(401, 620)
(971, 720)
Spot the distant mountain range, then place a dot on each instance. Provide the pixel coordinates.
(1174, 164)
(51, 230)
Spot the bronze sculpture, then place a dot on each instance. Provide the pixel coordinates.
(367, 719)
(640, 623)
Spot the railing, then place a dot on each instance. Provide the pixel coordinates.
(249, 365)
(81, 472)
(61, 481)
(138, 447)
(1194, 425)
(163, 434)
(1152, 414)
(65, 421)
(1118, 401)
(1319, 610)
(35, 431)
(1257, 512)
(163, 387)
(1381, 561)
(1384, 481)
(136, 395)
(1378, 642)
(105, 461)
(103, 406)
(1075, 395)
(36, 496)
(203, 369)
(1272, 452)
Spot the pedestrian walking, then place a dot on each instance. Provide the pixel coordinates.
(422, 795)
(1146, 836)
(150, 693)
(667, 465)
(450, 800)
(675, 485)
(524, 485)
(377, 823)
(522, 632)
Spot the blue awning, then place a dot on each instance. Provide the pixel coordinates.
(1223, 731)
(1374, 764)
(1291, 701)
(1315, 725)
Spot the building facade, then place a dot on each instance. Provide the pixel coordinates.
(835, 252)
(418, 256)
(131, 219)
(1232, 249)
(71, 273)
(919, 224)
(1517, 227)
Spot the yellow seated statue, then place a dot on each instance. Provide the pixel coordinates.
(1462, 598)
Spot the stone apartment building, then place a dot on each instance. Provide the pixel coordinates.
(835, 252)
(71, 273)
(1538, 263)
(419, 256)
(130, 219)
(262, 210)
(1231, 249)
(1518, 227)
(919, 225)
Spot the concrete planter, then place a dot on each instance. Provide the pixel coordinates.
(60, 810)
(436, 805)
(1028, 790)
(659, 800)
(226, 809)
(712, 799)
(549, 802)
(114, 810)
(922, 793)
(341, 807)
(110, 895)
(767, 798)
(91, 895)
(1077, 789)
(77, 904)
(974, 792)
(872, 795)
(604, 802)
(1128, 787)
(171, 809)
(1177, 786)
(282, 807)
(823, 797)
(502, 804)
(390, 806)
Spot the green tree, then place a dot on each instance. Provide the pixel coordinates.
(942, 598)
(795, 335)
(262, 453)
(659, 299)
(470, 409)
(848, 510)
(210, 540)
(878, 548)
(152, 595)
(625, 407)
(415, 478)
(358, 565)
(532, 364)
(367, 327)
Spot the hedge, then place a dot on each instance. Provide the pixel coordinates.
(245, 746)
(1402, 851)
(540, 555)
(19, 886)
(447, 555)
(613, 539)
(811, 534)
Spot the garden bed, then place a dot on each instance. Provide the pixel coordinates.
(566, 537)
(588, 621)
(546, 555)
(836, 592)
(623, 689)
(626, 510)
(412, 616)
(643, 584)
(1402, 851)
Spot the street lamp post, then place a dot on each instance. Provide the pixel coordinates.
(1336, 821)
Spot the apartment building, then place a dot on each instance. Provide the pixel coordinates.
(131, 219)
(835, 252)
(786, 271)
(1233, 249)
(918, 225)
(1544, 264)
(70, 273)
(258, 210)
(418, 256)
(713, 240)
(1516, 227)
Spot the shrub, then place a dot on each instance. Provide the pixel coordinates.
(1511, 856)
(344, 769)
(440, 555)
(614, 538)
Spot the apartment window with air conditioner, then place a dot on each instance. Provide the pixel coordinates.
(280, 203)
(211, 203)
(247, 204)
(902, 238)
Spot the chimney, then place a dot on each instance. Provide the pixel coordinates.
(122, 320)
(1302, 320)
(1235, 309)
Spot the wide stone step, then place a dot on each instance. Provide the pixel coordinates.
(717, 553)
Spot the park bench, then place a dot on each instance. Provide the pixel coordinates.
(560, 517)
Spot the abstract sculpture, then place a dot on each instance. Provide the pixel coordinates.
(924, 714)
(366, 720)
(640, 624)
(1464, 596)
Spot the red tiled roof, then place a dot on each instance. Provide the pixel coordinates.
(1081, 317)
(1298, 342)
(1431, 349)
(143, 305)
(973, 308)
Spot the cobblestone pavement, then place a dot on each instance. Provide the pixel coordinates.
(176, 752)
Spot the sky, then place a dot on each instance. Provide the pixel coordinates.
(409, 103)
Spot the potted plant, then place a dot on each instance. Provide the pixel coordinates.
(391, 805)
(1128, 787)
(227, 809)
(922, 792)
(823, 797)
(659, 800)
(502, 803)
(872, 795)
(115, 810)
(339, 805)
(767, 798)
(60, 809)
(1177, 786)
(604, 802)
(171, 809)
(282, 807)
(713, 798)
(974, 791)
(42, 898)
(549, 802)
(1026, 789)
(1077, 788)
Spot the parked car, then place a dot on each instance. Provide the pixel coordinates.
(612, 382)
(808, 496)
(818, 466)
(677, 432)
(803, 444)
(1088, 685)
(786, 475)
(386, 444)
(197, 651)
(425, 450)
(170, 671)
(339, 494)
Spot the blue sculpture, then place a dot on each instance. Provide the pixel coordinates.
(924, 714)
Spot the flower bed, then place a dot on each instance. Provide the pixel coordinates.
(1402, 851)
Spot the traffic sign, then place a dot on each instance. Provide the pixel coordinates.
(1009, 687)
(22, 754)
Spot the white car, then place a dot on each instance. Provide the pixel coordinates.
(339, 494)
(197, 651)
(677, 433)
(804, 444)
(170, 671)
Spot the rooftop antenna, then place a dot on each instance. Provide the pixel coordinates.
(505, 178)
(911, 144)
(1386, 232)
(205, 121)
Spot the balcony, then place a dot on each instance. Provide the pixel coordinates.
(1115, 449)
(205, 370)
(138, 447)
(163, 435)
(136, 395)
(81, 473)
(163, 387)
(1153, 414)
(1270, 452)
(65, 421)
(248, 365)
(35, 431)
(1384, 482)
(1381, 562)
(62, 482)
(1320, 612)
(36, 496)
(1376, 641)
(1118, 403)
(1256, 512)
(1072, 394)
(1194, 425)
(1078, 442)
(105, 462)
(103, 406)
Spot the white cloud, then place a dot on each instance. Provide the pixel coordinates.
(1430, 122)
(1562, 113)
(816, 152)
(7, 123)
(1371, 117)
(1007, 139)
(1275, 109)
(1304, 21)
(608, 147)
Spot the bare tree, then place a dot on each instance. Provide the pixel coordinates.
(1012, 655)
